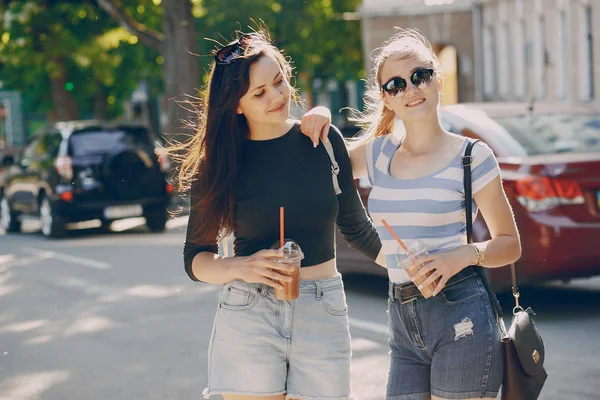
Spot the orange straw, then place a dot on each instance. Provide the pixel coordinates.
(281, 237)
(408, 253)
(389, 228)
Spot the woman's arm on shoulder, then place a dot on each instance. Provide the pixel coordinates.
(353, 221)
(316, 123)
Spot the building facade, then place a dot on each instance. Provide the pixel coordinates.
(501, 50)
(447, 24)
(547, 50)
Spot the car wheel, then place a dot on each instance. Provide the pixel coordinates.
(156, 220)
(105, 225)
(52, 225)
(8, 219)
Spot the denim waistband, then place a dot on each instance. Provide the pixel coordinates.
(306, 286)
(466, 273)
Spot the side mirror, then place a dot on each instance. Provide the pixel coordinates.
(8, 160)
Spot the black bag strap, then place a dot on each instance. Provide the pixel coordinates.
(467, 160)
(335, 168)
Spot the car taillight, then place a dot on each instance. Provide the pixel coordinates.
(66, 196)
(543, 193)
(64, 167)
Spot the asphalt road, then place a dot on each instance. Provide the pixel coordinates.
(113, 316)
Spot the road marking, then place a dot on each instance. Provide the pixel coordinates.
(131, 223)
(6, 258)
(370, 326)
(177, 222)
(86, 262)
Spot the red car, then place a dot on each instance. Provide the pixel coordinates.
(549, 156)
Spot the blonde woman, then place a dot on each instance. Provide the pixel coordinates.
(446, 346)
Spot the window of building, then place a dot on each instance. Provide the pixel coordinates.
(489, 70)
(539, 63)
(562, 56)
(519, 54)
(586, 60)
(503, 58)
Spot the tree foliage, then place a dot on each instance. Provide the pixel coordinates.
(91, 54)
(313, 33)
(71, 58)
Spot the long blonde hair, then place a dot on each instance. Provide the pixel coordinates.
(376, 119)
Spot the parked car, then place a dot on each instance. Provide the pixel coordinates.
(8, 153)
(549, 157)
(83, 170)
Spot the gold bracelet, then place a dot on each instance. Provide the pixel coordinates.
(478, 253)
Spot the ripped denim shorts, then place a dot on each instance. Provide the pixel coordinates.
(447, 346)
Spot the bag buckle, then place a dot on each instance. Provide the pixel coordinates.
(467, 161)
(516, 295)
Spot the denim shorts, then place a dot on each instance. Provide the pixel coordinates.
(447, 346)
(262, 346)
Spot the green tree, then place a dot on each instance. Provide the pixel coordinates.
(176, 41)
(70, 59)
(319, 36)
(313, 32)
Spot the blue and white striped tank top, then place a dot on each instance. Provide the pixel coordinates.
(430, 208)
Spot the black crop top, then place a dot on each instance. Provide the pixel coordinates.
(288, 171)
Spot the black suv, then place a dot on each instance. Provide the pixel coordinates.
(84, 170)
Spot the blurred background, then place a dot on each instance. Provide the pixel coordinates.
(94, 302)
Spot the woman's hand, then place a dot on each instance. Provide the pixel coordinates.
(443, 266)
(261, 267)
(315, 124)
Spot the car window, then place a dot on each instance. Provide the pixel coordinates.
(49, 145)
(96, 141)
(30, 152)
(547, 134)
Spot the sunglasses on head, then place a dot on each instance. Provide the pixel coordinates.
(229, 53)
(420, 78)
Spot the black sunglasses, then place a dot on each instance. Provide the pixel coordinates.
(230, 52)
(396, 86)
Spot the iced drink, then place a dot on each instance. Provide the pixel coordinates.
(292, 255)
(416, 249)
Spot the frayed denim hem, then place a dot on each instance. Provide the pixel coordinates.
(207, 393)
(465, 395)
(302, 397)
(412, 396)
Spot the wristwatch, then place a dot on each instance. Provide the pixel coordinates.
(480, 255)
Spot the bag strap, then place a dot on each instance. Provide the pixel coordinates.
(467, 160)
(335, 168)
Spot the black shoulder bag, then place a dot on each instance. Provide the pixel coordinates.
(522, 345)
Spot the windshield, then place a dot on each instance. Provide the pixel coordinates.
(84, 143)
(548, 134)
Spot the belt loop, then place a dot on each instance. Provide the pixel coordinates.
(391, 292)
(319, 293)
(262, 289)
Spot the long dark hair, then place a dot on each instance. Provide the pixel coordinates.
(210, 160)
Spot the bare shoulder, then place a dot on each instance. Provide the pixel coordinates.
(454, 142)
